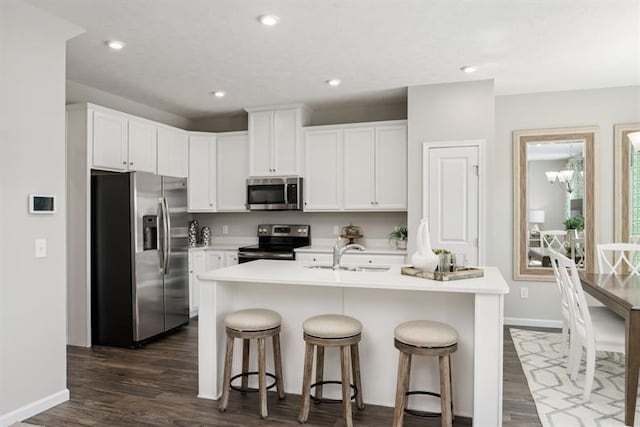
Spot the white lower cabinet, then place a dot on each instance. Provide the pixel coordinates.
(350, 258)
(201, 261)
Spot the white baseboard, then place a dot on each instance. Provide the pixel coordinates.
(34, 408)
(536, 323)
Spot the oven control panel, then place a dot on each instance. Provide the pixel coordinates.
(282, 230)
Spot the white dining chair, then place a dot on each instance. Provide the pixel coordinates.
(553, 239)
(593, 330)
(619, 258)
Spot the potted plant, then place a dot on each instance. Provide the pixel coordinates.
(399, 234)
(573, 225)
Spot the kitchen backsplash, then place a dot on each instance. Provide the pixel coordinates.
(374, 225)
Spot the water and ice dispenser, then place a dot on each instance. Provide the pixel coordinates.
(150, 232)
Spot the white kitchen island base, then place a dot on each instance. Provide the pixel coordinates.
(380, 301)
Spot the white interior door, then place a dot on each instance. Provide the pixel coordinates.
(452, 182)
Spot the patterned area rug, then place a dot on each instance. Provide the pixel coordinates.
(558, 398)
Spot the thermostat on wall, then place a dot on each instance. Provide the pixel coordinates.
(42, 204)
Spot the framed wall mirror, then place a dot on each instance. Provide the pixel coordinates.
(627, 183)
(554, 199)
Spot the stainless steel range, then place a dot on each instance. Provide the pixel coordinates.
(276, 241)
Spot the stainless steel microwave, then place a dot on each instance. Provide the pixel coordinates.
(274, 193)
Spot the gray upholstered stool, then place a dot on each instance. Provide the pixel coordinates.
(332, 330)
(255, 323)
(424, 338)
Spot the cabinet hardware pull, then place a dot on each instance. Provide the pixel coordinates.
(131, 163)
(124, 163)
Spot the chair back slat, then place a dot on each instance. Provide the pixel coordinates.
(619, 258)
(553, 239)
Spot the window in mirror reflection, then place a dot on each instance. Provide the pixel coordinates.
(635, 197)
(555, 189)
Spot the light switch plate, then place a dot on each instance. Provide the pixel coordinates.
(41, 248)
(225, 229)
(336, 229)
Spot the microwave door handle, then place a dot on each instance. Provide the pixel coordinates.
(286, 194)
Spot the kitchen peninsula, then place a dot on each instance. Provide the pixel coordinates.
(381, 301)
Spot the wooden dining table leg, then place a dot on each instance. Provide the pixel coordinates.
(632, 365)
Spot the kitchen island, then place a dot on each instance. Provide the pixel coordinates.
(381, 301)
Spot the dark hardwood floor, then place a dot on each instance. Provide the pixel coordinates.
(157, 386)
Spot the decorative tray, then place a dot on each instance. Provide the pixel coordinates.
(467, 273)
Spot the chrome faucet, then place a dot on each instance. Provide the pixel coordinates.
(339, 249)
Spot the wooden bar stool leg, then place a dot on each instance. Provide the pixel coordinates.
(355, 369)
(277, 361)
(401, 389)
(346, 389)
(319, 371)
(445, 390)
(407, 380)
(262, 377)
(226, 382)
(245, 362)
(306, 383)
(453, 417)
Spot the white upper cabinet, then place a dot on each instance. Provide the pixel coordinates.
(109, 141)
(356, 167)
(232, 171)
(323, 168)
(142, 146)
(173, 152)
(391, 167)
(274, 141)
(202, 178)
(359, 171)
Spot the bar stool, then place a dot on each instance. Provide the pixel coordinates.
(424, 338)
(255, 323)
(332, 330)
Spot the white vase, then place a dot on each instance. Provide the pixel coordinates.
(424, 258)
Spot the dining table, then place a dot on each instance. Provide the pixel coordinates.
(621, 294)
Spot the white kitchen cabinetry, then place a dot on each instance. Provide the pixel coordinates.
(274, 141)
(230, 258)
(201, 261)
(173, 152)
(356, 167)
(143, 146)
(350, 258)
(109, 141)
(232, 171)
(202, 177)
(314, 258)
(323, 170)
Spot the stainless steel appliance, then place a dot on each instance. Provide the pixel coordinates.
(276, 241)
(274, 193)
(139, 277)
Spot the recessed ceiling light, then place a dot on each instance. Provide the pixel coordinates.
(219, 93)
(469, 69)
(334, 82)
(115, 44)
(268, 20)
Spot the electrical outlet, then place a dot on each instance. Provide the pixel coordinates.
(524, 292)
(41, 248)
(225, 229)
(336, 229)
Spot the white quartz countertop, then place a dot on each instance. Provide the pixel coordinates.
(371, 250)
(295, 273)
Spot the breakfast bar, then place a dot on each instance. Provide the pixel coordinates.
(380, 299)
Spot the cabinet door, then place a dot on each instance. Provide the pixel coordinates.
(260, 141)
(198, 266)
(359, 168)
(285, 142)
(364, 259)
(232, 172)
(142, 146)
(391, 168)
(202, 156)
(230, 258)
(215, 260)
(323, 170)
(109, 141)
(314, 258)
(173, 153)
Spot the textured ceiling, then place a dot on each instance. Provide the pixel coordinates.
(178, 51)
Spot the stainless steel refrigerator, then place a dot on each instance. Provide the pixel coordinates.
(140, 284)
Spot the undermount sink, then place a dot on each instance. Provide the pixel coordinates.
(359, 268)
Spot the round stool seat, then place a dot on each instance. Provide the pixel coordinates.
(253, 319)
(426, 333)
(332, 326)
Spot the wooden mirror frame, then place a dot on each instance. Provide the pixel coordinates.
(622, 160)
(521, 269)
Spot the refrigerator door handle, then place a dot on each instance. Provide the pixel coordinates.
(161, 235)
(167, 235)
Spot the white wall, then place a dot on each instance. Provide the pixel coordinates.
(78, 93)
(374, 225)
(32, 137)
(444, 112)
(602, 107)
